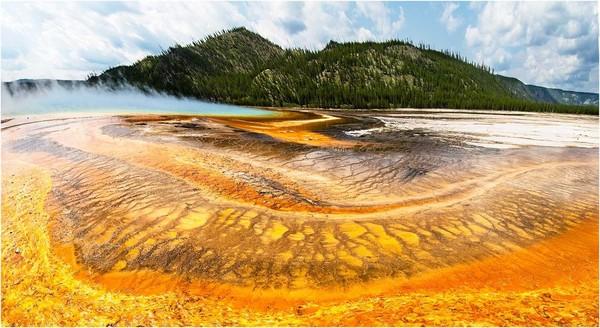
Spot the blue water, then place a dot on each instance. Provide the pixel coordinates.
(95, 100)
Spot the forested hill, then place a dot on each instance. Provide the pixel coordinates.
(241, 67)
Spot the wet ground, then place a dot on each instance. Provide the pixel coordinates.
(311, 206)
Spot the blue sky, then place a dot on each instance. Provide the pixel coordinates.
(552, 44)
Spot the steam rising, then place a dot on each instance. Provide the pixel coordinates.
(26, 97)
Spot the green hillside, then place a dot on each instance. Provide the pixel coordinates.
(241, 67)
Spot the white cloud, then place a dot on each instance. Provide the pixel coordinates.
(551, 44)
(68, 40)
(385, 23)
(365, 34)
(316, 23)
(448, 19)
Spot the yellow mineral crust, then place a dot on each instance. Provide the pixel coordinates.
(286, 221)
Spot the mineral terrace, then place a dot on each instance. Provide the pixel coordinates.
(301, 218)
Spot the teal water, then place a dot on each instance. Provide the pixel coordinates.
(95, 100)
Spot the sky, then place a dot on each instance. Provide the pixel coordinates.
(552, 44)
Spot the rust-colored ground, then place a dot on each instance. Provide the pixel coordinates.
(288, 221)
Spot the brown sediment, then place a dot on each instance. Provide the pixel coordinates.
(254, 225)
(547, 264)
(205, 169)
(61, 300)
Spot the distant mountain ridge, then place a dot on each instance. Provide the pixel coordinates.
(563, 96)
(549, 95)
(241, 67)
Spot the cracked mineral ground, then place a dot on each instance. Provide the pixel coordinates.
(410, 217)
